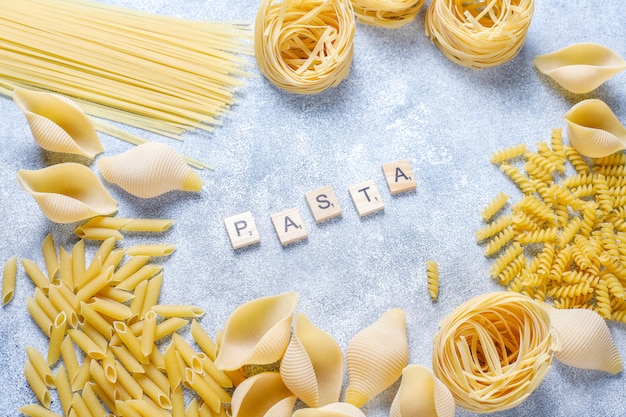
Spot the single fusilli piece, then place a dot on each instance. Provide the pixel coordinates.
(508, 153)
(432, 279)
(494, 206)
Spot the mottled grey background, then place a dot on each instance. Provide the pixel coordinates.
(402, 100)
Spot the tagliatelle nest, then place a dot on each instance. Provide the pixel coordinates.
(305, 46)
(479, 33)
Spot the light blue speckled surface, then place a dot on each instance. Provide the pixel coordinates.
(402, 100)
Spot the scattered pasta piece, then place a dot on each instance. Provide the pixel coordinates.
(479, 34)
(561, 239)
(432, 279)
(8, 280)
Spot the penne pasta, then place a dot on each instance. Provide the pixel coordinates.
(68, 355)
(95, 285)
(94, 269)
(36, 410)
(106, 222)
(152, 294)
(79, 406)
(93, 403)
(78, 261)
(187, 353)
(156, 376)
(127, 359)
(125, 410)
(109, 365)
(198, 384)
(215, 387)
(147, 408)
(104, 327)
(181, 311)
(148, 333)
(93, 334)
(136, 305)
(9, 276)
(57, 335)
(82, 376)
(104, 250)
(40, 365)
(50, 257)
(97, 233)
(58, 300)
(114, 294)
(169, 326)
(157, 249)
(39, 316)
(126, 380)
(173, 370)
(143, 274)
(66, 267)
(109, 389)
(218, 375)
(86, 344)
(202, 339)
(131, 266)
(147, 225)
(64, 391)
(153, 391)
(36, 275)
(192, 409)
(114, 258)
(45, 304)
(109, 308)
(157, 359)
(130, 341)
(178, 402)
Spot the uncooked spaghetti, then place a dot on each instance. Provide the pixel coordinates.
(305, 46)
(479, 33)
(158, 73)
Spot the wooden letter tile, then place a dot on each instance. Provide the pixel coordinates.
(399, 176)
(242, 230)
(289, 226)
(366, 198)
(323, 204)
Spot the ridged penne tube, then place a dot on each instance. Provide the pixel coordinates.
(202, 339)
(340, 409)
(149, 170)
(257, 332)
(581, 67)
(180, 311)
(421, 393)
(37, 384)
(594, 130)
(262, 395)
(376, 357)
(9, 276)
(584, 340)
(57, 123)
(67, 192)
(36, 275)
(155, 249)
(57, 335)
(40, 365)
(312, 367)
(195, 382)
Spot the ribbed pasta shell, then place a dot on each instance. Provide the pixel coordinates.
(376, 356)
(581, 67)
(262, 395)
(594, 130)
(312, 367)
(422, 394)
(149, 170)
(257, 332)
(584, 340)
(57, 123)
(67, 192)
(339, 409)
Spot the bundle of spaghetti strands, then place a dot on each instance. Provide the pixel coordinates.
(386, 13)
(154, 72)
(479, 33)
(305, 46)
(493, 351)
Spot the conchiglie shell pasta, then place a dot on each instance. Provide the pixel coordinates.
(312, 367)
(422, 394)
(67, 192)
(582, 67)
(338, 409)
(594, 130)
(149, 170)
(262, 395)
(257, 332)
(376, 356)
(584, 340)
(57, 123)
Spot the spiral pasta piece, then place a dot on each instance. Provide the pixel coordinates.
(493, 351)
(386, 13)
(305, 46)
(479, 34)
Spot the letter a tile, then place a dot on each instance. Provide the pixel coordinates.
(399, 176)
(289, 226)
(366, 198)
(242, 230)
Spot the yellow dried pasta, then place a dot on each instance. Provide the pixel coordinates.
(564, 244)
(432, 279)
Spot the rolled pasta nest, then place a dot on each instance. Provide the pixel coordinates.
(479, 33)
(386, 13)
(493, 351)
(305, 46)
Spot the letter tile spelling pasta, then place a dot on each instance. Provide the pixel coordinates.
(305, 46)
(567, 229)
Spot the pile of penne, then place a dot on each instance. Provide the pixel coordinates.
(106, 331)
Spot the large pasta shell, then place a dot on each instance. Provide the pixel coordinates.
(149, 170)
(312, 367)
(594, 130)
(581, 67)
(257, 332)
(422, 394)
(57, 123)
(262, 395)
(338, 409)
(67, 192)
(584, 340)
(376, 356)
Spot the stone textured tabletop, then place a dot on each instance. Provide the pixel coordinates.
(402, 100)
